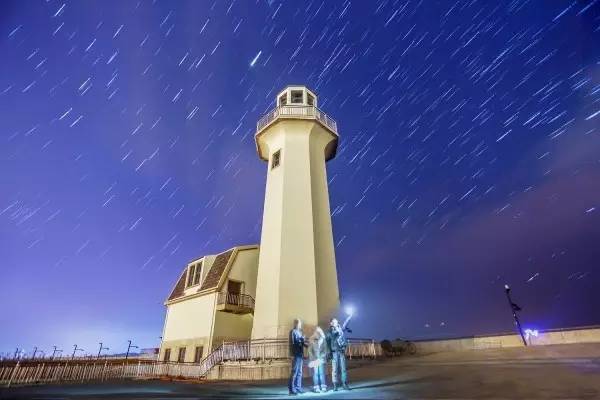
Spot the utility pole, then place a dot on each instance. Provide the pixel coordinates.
(75, 349)
(514, 308)
(129, 346)
(100, 350)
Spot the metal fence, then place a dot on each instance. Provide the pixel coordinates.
(26, 373)
(236, 299)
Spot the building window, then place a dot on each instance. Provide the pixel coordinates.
(297, 97)
(310, 99)
(167, 356)
(276, 159)
(190, 277)
(283, 100)
(181, 355)
(197, 274)
(198, 354)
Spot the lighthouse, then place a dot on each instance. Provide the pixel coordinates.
(297, 275)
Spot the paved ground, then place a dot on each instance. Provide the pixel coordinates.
(548, 372)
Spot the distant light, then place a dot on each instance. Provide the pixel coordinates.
(349, 310)
(506, 287)
(255, 59)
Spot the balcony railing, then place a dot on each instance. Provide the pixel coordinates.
(304, 112)
(235, 302)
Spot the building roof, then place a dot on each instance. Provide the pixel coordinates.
(179, 288)
(214, 277)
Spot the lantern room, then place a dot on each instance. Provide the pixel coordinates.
(296, 96)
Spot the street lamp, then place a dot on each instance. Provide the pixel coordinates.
(129, 346)
(100, 350)
(54, 351)
(514, 308)
(75, 349)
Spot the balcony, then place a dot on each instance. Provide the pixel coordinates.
(296, 112)
(235, 303)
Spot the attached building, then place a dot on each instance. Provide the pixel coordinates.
(212, 302)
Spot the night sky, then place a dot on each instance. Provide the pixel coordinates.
(469, 158)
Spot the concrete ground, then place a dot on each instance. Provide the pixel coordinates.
(544, 372)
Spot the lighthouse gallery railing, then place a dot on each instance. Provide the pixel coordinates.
(291, 111)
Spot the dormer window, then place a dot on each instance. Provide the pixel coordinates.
(297, 96)
(198, 274)
(194, 273)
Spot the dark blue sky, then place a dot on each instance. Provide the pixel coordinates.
(469, 157)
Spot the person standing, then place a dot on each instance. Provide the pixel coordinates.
(297, 343)
(317, 352)
(337, 342)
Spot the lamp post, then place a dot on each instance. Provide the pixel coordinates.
(514, 308)
(100, 350)
(129, 346)
(75, 349)
(54, 351)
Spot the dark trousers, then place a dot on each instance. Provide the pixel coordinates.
(338, 363)
(295, 383)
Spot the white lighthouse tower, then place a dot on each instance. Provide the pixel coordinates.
(297, 275)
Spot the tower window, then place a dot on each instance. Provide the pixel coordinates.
(283, 100)
(310, 99)
(167, 356)
(276, 159)
(297, 96)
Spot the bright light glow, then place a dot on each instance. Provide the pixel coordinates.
(349, 310)
(506, 287)
(531, 332)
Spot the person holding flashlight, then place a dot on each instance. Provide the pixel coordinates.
(337, 343)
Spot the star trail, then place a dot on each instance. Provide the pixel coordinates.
(469, 157)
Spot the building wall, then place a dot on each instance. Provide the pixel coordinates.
(296, 216)
(267, 298)
(328, 296)
(245, 268)
(231, 327)
(562, 336)
(190, 323)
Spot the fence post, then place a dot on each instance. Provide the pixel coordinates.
(13, 373)
(104, 370)
(263, 350)
(41, 372)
